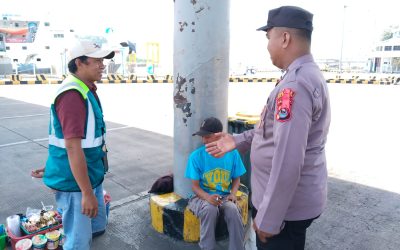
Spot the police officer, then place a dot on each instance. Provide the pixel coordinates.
(287, 146)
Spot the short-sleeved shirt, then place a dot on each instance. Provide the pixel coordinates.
(214, 174)
(71, 111)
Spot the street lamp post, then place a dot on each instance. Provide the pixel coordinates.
(122, 61)
(341, 48)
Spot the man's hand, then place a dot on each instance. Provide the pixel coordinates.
(232, 197)
(214, 199)
(221, 146)
(263, 236)
(89, 205)
(37, 173)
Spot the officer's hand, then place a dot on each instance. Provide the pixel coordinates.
(89, 205)
(214, 199)
(263, 236)
(221, 146)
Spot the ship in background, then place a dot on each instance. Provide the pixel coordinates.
(386, 56)
(32, 46)
(29, 46)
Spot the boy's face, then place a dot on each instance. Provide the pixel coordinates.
(210, 138)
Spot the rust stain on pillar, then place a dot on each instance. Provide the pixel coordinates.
(182, 24)
(180, 99)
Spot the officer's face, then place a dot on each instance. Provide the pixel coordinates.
(274, 36)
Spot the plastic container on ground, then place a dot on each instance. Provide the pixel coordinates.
(24, 244)
(52, 239)
(3, 237)
(39, 242)
(14, 239)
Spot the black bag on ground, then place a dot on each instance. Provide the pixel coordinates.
(163, 185)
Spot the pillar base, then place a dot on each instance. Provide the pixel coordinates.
(170, 216)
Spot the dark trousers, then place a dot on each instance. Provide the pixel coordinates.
(292, 236)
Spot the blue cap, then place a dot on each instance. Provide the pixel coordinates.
(289, 17)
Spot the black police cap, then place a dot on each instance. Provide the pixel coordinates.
(289, 17)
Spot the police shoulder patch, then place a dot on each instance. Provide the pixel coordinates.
(284, 102)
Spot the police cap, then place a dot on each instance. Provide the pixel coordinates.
(289, 17)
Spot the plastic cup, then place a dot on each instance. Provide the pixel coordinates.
(39, 242)
(13, 223)
(24, 244)
(52, 239)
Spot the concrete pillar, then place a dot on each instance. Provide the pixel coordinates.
(201, 75)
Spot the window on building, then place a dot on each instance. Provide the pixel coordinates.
(46, 24)
(7, 47)
(58, 35)
(16, 24)
(388, 48)
(396, 47)
(47, 47)
(379, 48)
(24, 47)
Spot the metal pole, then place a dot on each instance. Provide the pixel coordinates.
(201, 75)
(123, 63)
(65, 62)
(341, 48)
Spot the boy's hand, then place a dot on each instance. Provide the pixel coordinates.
(232, 197)
(214, 199)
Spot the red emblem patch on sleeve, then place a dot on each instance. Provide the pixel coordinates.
(284, 102)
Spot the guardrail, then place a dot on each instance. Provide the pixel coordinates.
(116, 78)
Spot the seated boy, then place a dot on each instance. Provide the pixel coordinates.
(215, 182)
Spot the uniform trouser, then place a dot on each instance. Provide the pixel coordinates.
(208, 215)
(292, 236)
(78, 228)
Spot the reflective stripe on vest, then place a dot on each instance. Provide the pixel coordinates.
(90, 141)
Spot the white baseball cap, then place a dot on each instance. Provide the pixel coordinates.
(90, 49)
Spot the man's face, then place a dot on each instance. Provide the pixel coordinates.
(274, 36)
(210, 138)
(92, 69)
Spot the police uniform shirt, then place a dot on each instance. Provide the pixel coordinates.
(289, 174)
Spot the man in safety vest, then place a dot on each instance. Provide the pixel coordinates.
(75, 168)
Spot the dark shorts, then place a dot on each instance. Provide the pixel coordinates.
(292, 236)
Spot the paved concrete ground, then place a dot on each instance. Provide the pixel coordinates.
(364, 203)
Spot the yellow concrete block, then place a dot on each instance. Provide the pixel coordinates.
(156, 216)
(243, 204)
(191, 227)
(165, 199)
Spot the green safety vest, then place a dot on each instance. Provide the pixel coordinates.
(58, 174)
